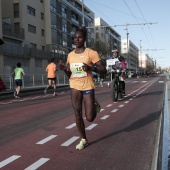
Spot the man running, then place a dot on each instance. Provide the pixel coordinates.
(51, 75)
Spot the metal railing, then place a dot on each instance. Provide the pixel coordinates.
(33, 80)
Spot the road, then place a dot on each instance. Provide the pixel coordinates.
(38, 131)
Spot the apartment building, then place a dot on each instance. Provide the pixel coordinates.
(146, 62)
(107, 36)
(36, 30)
(130, 52)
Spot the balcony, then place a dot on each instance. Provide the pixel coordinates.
(11, 31)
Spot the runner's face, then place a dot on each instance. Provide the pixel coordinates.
(115, 54)
(79, 40)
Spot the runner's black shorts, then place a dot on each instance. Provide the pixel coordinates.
(18, 82)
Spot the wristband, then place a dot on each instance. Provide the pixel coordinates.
(95, 69)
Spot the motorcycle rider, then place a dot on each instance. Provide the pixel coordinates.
(119, 65)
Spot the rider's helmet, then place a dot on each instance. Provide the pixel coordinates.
(115, 53)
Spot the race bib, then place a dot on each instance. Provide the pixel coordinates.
(77, 70)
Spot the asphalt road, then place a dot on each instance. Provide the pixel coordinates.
(38, 131)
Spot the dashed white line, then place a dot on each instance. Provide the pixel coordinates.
(126, 102)
(37, 164)
(9, 160)
(131, 99)
(101, 110)
(70, 141)
(109, 105)
(46, 139)
(71, 126)
(91, 126)
(115, 110)
(105, 117)
(121, 105)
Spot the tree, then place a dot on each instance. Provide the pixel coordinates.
(101, 48)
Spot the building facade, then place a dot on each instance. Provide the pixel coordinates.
(130, 52)
(35, 31)
(107, 36)
(147, 63)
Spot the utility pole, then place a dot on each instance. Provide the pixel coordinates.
(140, 56)
(127, 46)
(126, 25)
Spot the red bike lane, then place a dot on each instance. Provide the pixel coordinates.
(121, 137)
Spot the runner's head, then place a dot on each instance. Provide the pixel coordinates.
(80, 37)
(52, 60)
(18, 64)
(115, 53)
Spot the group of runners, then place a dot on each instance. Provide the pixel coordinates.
(81, 62)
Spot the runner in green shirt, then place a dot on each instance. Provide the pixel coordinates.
(18, 73)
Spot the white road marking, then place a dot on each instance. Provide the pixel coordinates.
(131, 99)
(126, 102)
(37, 164)
(9, 160)
(46, 139)
(70, 141)
(121, 105)
(115, 110)
(71, 126)
(143, 81)
(109, 105)
(105, 117)
(91, 126)
(101, 110)
(161, 81)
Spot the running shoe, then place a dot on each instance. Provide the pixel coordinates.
(15, 93)
(83, 143)
(97, 106)
(17, 97)
(45, 91)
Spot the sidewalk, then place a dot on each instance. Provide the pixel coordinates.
(9, 92)
(165, 139)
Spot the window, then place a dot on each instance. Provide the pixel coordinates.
(43, 48)
(64, 11)
(17, 27)
(16, 10)
(34, 46)
(64, 25)
(31, 10)
(31, 28)
(42, 32)
(64, 40)
(42, 16)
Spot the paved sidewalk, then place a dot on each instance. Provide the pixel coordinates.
(165, 149)
(37, 89)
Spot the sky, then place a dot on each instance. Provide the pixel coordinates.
(154, 38)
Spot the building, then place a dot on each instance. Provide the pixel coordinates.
(36, 30)
(108, 38)
(146, 62)
(130, 52)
